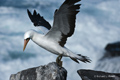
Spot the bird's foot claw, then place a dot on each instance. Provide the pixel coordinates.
(58, 60)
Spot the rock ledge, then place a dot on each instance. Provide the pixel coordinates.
(50, 71)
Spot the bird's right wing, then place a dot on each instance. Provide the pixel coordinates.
(64, 21)
(38, 20)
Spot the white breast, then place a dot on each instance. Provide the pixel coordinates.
(47, 44)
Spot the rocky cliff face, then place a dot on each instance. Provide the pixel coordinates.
(50, 71)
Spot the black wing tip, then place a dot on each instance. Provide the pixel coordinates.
(30, 15)
(34, 13)
(71, 1)
(38, 20)
(34, 10)
(79, 4)
(49, 27)
(28, 11)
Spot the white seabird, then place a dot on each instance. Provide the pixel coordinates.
(63, 27)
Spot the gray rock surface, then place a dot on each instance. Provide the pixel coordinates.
(97, 75)
(50, 71)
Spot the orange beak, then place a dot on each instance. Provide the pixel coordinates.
(25, 43)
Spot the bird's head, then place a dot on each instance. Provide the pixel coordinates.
(27, 36)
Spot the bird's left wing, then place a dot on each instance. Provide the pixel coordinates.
(38, 20)
(64, 21)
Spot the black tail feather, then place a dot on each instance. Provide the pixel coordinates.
(75, 60)
(85, 59)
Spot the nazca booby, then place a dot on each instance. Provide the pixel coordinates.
(63, 27)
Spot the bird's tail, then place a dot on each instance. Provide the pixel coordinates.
(84, 59)
(76, 57)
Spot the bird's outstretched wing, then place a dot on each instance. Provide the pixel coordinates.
(38, 20)
(64, 21)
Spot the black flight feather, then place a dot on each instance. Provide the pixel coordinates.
(38, 20)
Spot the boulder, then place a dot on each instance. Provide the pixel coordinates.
(51, 71)
(97, 75)
(110, 61)
(113, 49)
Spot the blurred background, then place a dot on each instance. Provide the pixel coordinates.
(97, 24)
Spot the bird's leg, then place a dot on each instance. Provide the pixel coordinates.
(58, 60)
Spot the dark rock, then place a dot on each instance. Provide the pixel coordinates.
(113, 49)
(97, 75)
(110, 61)
(47, 72)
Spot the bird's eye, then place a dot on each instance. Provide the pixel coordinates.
(27, 38)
